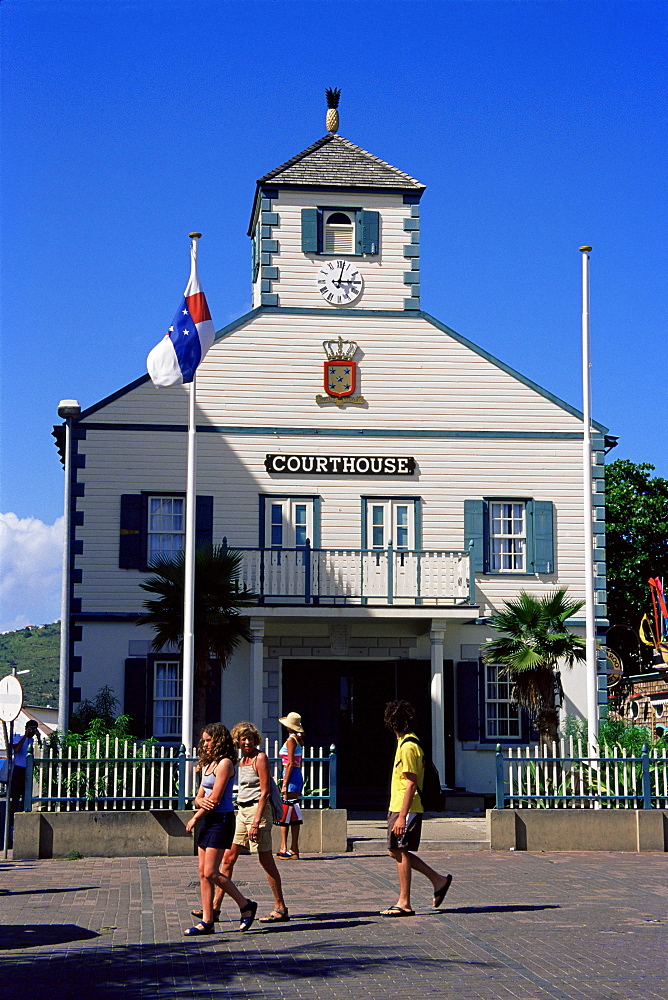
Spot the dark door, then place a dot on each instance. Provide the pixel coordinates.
(342, 702)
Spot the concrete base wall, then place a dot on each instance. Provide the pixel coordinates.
(160, 833)
(578, 829)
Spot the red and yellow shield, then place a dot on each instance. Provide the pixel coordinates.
(339, 378)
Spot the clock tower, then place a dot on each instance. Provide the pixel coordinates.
(336, 228)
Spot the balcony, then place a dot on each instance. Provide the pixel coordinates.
(375, 577)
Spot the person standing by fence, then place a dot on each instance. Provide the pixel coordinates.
(404, 818)
(291, 754)
(217, 757)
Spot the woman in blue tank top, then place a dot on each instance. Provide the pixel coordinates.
(213, 802)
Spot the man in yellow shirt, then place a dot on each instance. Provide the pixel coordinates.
(404, 818)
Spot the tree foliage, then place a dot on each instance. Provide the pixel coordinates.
(218, 603)
(636, 537)
(37, 649)
(533, 642)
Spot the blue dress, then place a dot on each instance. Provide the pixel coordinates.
(296, 782)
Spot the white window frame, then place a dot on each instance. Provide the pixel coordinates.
(167, 696)
(503, 716)
(296, 522)
(507, 536)
(159, 530)
(338, 238)
(385, 523)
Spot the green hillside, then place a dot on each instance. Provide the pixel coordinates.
(35, 648)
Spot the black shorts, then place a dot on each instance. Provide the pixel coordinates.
(411, 838)
(217, 830)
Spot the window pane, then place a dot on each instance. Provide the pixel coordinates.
(507, 537)
(276, 524)
(401, 513)
(166, 527)
(167, 698)
(502, 716)
(377, 526)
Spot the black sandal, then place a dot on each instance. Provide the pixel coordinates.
(251, 909)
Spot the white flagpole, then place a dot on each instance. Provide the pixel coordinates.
(189, 574)
(590, 625)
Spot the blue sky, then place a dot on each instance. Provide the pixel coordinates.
(536, 126)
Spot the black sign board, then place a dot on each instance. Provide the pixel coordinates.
(331, 465)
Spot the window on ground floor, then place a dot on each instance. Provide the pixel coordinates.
(502, 715)
(167, 694)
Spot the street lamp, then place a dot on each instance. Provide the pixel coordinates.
(68, 409)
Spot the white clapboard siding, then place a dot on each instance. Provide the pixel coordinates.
(382, 273)
(231, 469)
(269, 371)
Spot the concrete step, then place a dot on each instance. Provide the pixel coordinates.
(439, 833)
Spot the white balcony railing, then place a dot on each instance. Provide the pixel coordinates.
(357, 576)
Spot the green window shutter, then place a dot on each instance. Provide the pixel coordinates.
(543, 536)
(203, 521)
(132, 540)
(368, 228)
(138, 694)
(311, 230)
(474, 533)
(468, 700)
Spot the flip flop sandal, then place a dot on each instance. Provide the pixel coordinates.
(440, 895)
(201, 928)
(276, 917)
(284, 854)
(397, 911)
(200, 914)
(251, 909)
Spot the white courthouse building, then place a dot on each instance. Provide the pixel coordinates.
(388, 481)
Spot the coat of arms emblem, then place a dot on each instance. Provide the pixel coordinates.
(340, 369)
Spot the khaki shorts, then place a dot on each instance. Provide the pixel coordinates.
(245, 819)
(411, 838)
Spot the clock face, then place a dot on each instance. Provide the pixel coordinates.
(339, 282)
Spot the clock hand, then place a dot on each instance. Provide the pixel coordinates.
(338, 283)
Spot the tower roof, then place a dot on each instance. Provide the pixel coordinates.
(335, 162)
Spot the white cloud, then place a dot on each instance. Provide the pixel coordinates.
(30, 567)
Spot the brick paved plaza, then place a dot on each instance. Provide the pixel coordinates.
(531, 926)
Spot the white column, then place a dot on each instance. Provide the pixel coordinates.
(256, 670)
(436, 637)
(587, 514)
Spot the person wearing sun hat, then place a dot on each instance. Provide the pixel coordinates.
(291, 754)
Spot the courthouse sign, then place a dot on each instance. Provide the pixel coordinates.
(329, 465)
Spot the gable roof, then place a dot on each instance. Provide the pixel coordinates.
(59, 430)
(335, 162)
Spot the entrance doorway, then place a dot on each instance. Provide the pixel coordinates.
(342, 702)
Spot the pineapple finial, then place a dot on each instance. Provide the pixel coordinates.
(333, 95)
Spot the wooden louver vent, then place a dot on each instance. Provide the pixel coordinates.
(339, 234)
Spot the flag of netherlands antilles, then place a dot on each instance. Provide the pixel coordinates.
(175, 359)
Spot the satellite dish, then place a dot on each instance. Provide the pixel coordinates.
(11, 698)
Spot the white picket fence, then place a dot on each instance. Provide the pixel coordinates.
(527, 777)
(110, 774)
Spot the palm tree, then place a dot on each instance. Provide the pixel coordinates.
(218, 624)
(534, 641)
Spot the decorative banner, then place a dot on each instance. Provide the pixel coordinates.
(323, 465)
